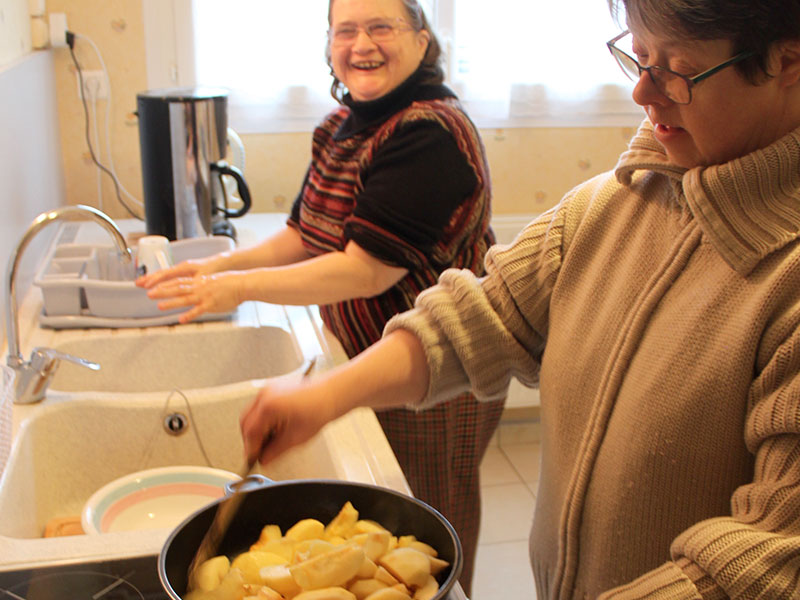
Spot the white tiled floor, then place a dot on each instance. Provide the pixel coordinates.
(509, 478)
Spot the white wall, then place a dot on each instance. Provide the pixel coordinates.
(31, 176)
(15, 30)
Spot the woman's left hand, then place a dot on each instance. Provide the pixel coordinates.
(218, 293)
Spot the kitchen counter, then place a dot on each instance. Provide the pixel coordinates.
(358, 448)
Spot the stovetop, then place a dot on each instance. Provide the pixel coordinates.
(118, 579)
(108, 579)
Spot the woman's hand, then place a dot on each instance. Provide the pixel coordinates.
(284, 414)
(189, 268)
(219, 293)
(392, 372)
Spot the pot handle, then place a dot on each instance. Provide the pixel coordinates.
(253, 481)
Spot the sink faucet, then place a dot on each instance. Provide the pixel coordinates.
(33, 376)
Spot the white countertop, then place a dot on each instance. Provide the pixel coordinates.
(356, 442)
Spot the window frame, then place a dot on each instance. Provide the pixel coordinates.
(169, 43)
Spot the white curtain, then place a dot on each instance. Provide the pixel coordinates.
(514, 63)
(538, 62)
(270, 54)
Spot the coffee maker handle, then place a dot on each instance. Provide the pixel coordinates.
(241, 184)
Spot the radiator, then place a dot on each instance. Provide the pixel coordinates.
(506, 227)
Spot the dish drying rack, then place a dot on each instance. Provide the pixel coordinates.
(87, 285)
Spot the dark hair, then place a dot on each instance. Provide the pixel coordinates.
(753, 25)
(433, 73)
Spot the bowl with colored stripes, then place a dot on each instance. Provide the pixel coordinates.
(157, 498)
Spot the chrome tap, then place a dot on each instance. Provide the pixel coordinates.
(33, 376)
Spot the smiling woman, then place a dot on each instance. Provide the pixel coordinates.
(396, 192)
(372, 52)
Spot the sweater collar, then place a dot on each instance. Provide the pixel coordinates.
(366, 114)
(748, 207)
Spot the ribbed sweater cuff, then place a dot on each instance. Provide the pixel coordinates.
(667, 582)
(447, 378)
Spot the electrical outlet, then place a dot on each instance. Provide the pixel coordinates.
(58, 30)
(94, 85)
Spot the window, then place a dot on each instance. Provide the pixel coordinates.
(271, 55)
(517, 64)
(546, 65)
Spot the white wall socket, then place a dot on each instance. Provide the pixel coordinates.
(94, 85)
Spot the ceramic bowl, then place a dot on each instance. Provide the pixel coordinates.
(153, 499)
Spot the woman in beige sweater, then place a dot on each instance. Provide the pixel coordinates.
(658, 306)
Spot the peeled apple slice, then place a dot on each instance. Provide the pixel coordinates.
(210, 573)
(427, 591)
(364, 587)
(342, 524)
(437, 565)
(331, 569)
(410, 566)
(388, 594)
(381, 574)
(307, 529)
(375, 544)
(230, 588)
(280, 579)
(253, 561)
(409, 541)
(333, 593)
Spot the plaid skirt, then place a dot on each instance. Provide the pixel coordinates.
(440, 451)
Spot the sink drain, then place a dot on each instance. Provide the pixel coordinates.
(176, 423)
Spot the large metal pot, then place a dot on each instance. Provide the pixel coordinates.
(285, 503)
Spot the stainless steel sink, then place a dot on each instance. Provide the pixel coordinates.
(68, 449)
(134, 363)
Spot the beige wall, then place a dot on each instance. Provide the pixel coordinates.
(116, 27)
(531, 168)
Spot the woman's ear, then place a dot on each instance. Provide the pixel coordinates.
(789, 66)
(424, 39)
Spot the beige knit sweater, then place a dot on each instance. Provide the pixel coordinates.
(659, 309)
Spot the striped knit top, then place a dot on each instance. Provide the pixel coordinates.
(659, 308)
(406, 178)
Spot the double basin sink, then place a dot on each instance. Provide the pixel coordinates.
(96, 426)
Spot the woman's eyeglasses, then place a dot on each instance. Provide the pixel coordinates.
(379, 31)
(674, 86)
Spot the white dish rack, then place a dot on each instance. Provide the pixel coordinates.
(85, 285)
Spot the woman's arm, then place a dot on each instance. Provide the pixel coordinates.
(464, 332)
(282, 248)
(392, 372)
(328, 278)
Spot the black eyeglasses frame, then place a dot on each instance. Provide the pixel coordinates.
(690, 81)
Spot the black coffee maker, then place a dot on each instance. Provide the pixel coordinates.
(182, 138)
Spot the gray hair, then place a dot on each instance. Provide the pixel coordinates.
(751, 25)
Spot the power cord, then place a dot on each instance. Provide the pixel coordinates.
(94, 113)
(71, 43)
(109, 110)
